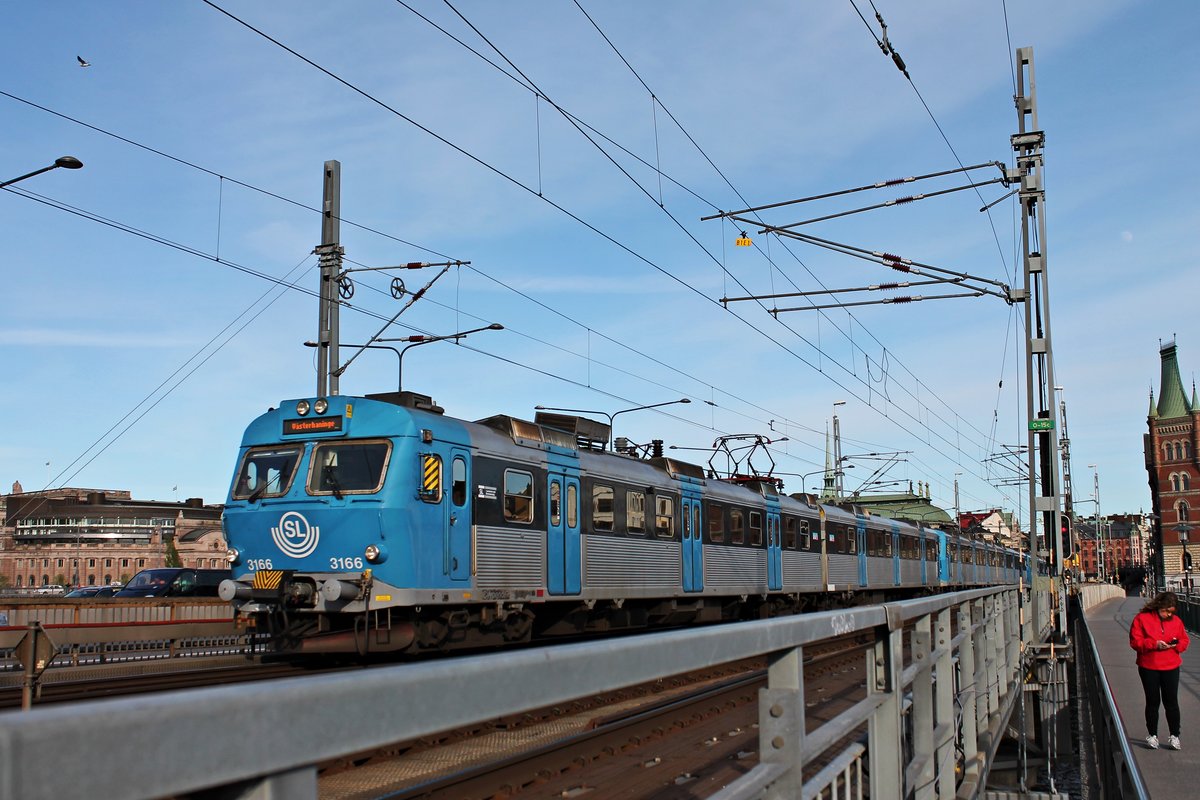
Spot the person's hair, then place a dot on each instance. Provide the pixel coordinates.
(1162, 600)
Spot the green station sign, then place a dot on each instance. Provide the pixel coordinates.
(1041, 424)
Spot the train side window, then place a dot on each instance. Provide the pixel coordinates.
(518, 496)
(887, 543)
(602, 507)
(572, 506)
(716, 522)
(737, 527)
(756, 533)
(635, 512)
(851, 538)
(555, 503)
(696, 529)
(806, 536)
(664, 517)
(789, 533)
(458, 481)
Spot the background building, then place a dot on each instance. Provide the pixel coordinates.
(81, 537)
(1172, 468)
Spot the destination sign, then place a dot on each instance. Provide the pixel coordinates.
(318, 425)
(1041, 424)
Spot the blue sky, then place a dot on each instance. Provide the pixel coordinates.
(594, 258)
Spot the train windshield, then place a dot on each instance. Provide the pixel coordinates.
(348, 467)
(266, 472)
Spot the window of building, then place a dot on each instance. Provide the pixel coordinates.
(664, 517)
(1174, 482)
(124, 562)
(602, 507)
(1183, 482)
(1182, 509)
(635, 512)
(91, 562)
(518, 496)
(1178, 451)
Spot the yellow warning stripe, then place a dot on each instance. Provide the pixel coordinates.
(432, 474)
(268, 579)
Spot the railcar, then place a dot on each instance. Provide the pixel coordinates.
(379, 523)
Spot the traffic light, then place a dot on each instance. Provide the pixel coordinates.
(1065, 527)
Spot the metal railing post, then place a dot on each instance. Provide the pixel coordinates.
(922, 713)
(781, 721)
(886, 724)
(944, 707)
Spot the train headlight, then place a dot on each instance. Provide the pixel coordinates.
(321, 406)
(232, 555)
(302, 407)
(376, 553)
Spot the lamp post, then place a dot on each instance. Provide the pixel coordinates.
(837, 451)
(1103, 569)
(369, 347)
(834, 473)
(65, 162)
(1183, 529)
(419, 339)
(614, 414)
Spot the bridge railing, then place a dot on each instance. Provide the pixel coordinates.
(1115, 768)
(928, 726)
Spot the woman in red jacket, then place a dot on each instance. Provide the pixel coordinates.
(1159, 637)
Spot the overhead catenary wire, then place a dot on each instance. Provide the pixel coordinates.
(643, 354)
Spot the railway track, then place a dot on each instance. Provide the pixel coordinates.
(674, 739)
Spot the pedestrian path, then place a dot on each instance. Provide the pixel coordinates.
(1168, 774)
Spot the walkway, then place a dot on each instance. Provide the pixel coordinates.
(1167, 773)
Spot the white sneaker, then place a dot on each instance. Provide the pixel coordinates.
(1173, 743)
(1152, 741)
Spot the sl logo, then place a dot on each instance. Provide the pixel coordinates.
(294, 536)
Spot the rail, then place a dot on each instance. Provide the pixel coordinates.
(266, 740)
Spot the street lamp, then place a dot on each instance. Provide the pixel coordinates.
(66, 162)
(419, 339)
(1099, 523)
(1183, 529)
(837, 450)
(614, 414)
(370, 347)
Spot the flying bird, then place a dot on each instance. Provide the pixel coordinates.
(82, 63)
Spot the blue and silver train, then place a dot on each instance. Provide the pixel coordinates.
(378, 523)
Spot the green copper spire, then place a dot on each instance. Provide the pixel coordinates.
(1172, 402)
(1153, 410)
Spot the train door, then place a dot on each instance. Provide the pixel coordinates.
(563, 547)
(860, 534)
(774, 550)
(897, 553)
(456, 552)
(693, 543)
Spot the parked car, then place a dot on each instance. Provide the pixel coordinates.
(175, 582)
(51, 588)
(94, 591)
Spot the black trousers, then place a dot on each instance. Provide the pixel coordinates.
(1164, 684)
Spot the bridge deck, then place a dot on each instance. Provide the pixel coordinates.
(1166, 773)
